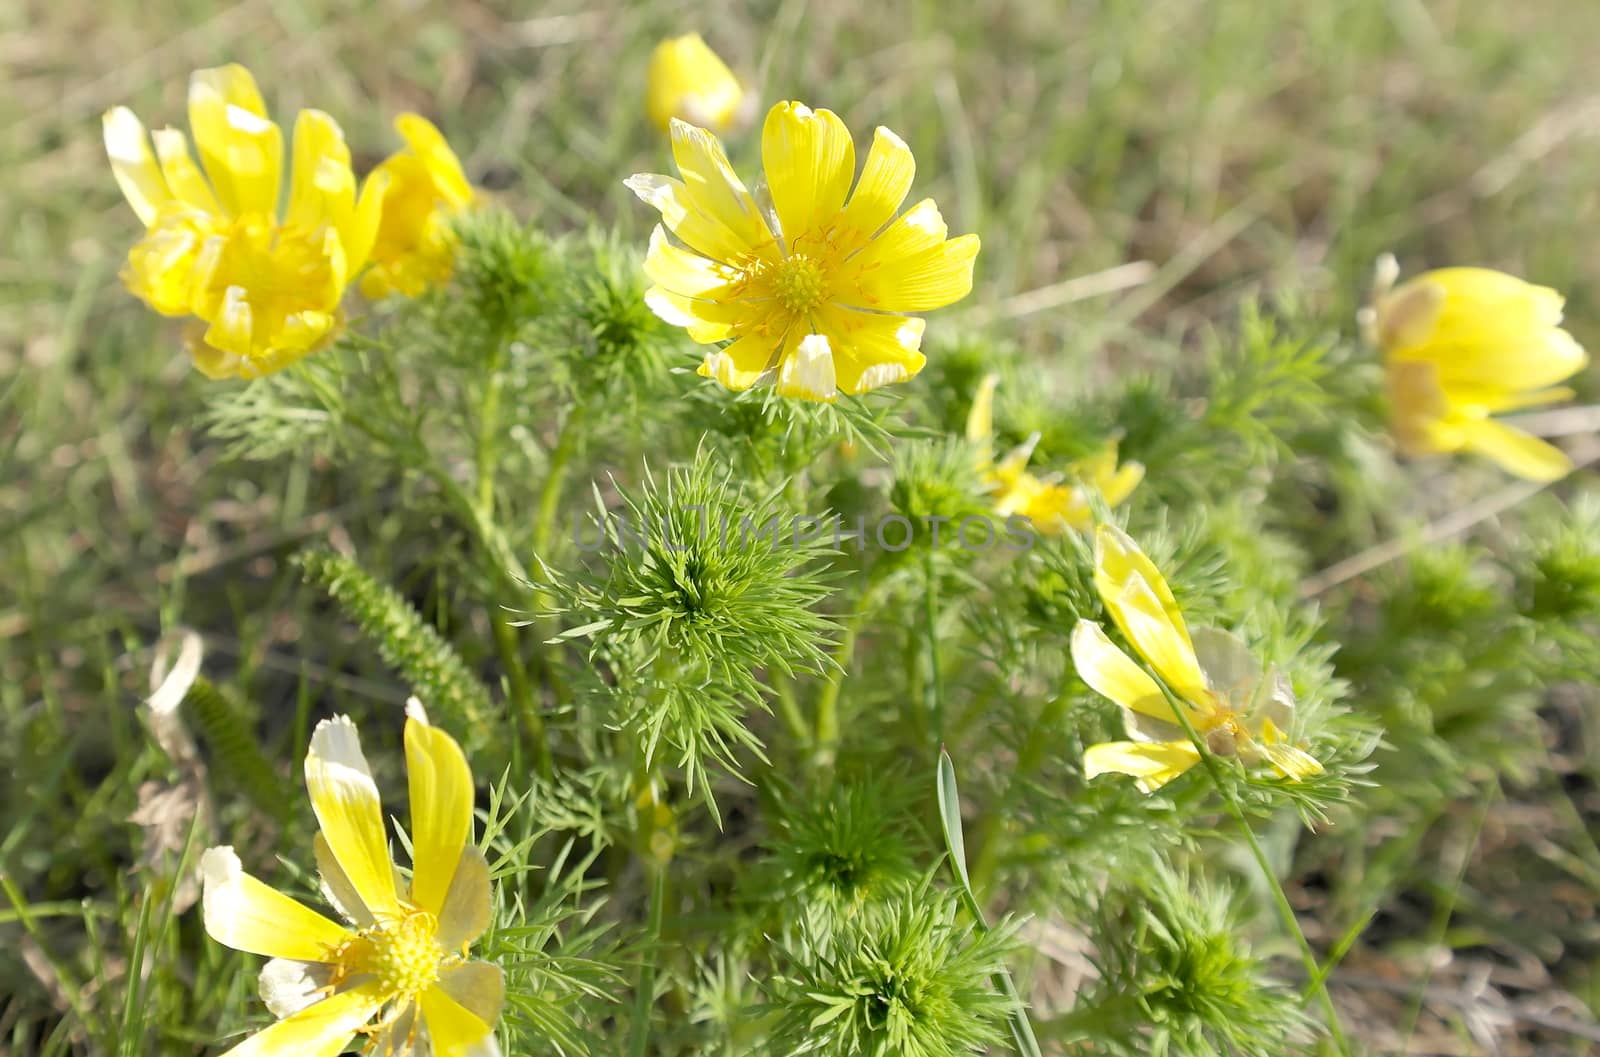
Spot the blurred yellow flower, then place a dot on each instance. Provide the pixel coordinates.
(397, 972)
(1462, 344)
(1236, 708)
(812, 293)
(1050, 503)
(415, 248)
(267, 288)
(689, 81)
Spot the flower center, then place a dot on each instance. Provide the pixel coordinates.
(797, 283)
(403, 953)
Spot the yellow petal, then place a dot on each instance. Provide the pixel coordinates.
(232, 329)
(336, 887)
(428, 144)
(1490, 329)
(288, 985)
(980, 419)
(1289, 760)
(319, 1030)
(346, 803)
(1121, 484)
(322, 187)
(871, 350)
(467, 905)
(184, 179)
(713, 191)
(1517, 452)
(911, 267)
(681, 271)
(806, 371)
(1154, 764)
(743, 363)
(701, 230)
(452, 1027)
(1137, 597)
(686, 79)
(1113, 674)
(885, 182)
(478, 986)
(247, 915)
(810, 161)
(241, 148)
(706, 321)
(161, 266)
(133, 164)
(441, 808)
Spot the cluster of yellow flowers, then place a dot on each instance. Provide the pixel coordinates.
(810, 285)
(266, 287)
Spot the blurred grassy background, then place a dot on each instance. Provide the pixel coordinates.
(1233, 146)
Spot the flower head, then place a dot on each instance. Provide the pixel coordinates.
(1235, 707)
(688, 80)
(396, 970)
(810, 295)
(266, 288)
(414, 248)
(1462, 344)
(1050, 503)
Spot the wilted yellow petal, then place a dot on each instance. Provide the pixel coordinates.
(466, 909)
(452, 1027)
(1292, 762)
(479, 987)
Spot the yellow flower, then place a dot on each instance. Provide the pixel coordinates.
(266, 288)
(688, 80)
(415, 248)
(1237, 708)
(810, 295)
(1462, 344)
(397, 971)
(1051, 504)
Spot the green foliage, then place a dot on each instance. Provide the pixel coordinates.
(697, 588)
(1177, 976)
(904, 978)
(407, 642)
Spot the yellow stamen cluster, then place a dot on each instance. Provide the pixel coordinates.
(403, 954)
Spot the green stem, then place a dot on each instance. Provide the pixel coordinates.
(644, 994)
(1280, 898)
(488, 431)
(1444, 911)
(991, 833)
(789, 708)
(827, 725)
(933, 691)
(554, 479)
